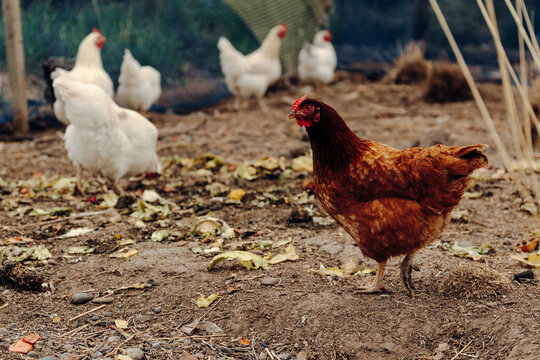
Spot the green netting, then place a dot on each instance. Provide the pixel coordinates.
(303, 18)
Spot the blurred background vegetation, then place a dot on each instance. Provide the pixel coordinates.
(179, 36)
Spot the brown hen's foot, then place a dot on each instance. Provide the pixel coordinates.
(372, 290)
(378, 284)
(406, 270)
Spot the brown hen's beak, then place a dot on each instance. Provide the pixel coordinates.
(292, 115)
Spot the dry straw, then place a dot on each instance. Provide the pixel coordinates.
(520, 126)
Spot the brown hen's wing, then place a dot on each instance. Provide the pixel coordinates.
(440, 174)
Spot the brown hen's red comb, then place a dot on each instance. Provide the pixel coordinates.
(298, 102)
(96, 30)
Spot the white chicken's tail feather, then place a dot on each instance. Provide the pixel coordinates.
(58, 72)
(84, 105)
(230, 58)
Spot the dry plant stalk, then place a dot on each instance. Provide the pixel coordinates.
(521, 142)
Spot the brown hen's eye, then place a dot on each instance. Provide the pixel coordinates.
(309, 107)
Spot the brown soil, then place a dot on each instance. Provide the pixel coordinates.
(304, 311)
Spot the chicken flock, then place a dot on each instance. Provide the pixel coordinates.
(392, 202)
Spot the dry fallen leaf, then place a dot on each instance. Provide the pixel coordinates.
(247, 259)
(204, 302)
(244, 341)
(237, 194)
(351, 267)
(124, 253)
(207, 326)
(475, 252)
(290, 254)
(246, 172)
(528, 245)
(303, 163)
(121, 324)
(533, 260)
(21, 347)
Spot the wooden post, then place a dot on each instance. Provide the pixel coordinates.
(15, 60)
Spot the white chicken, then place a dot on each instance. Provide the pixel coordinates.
(138, 86)
(250, 75)
(317, 61)
(88, 69)
(102, 137)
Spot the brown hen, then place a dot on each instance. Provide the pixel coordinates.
(392, 202)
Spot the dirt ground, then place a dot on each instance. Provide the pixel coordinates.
(285, 310)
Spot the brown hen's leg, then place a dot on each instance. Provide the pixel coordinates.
(378, 284)
(406, 269)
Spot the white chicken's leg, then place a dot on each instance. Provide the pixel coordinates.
(378, 283)
(237, 105)
(262, 104)
(117, 188)
(78, 179)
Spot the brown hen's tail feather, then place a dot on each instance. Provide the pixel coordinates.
(471, 158)
(474, 154)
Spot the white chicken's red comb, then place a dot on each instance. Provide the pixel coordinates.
(96, 30)
(298, 102)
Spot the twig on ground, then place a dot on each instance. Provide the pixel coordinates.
(462, 350)
(192, 337)
(87, 312)
(71, 332)
(212, 309)
(113, 351)
(3, 306)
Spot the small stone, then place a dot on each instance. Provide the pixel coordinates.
(157, 345)
(120, 306)
(524, 276)
(263, 356)
(157, 309)
(3, 332)
(269, 281)
(105, 349)
(95, 354)
(135, 353)
(52, 262)
(141, 317)
(113, 339)
(224, 349)
(285, 356)
(103, 300)
(94, 318)
(199, 355)
(106, 313)
(50, 357)
(81, 298)
(385, 296)
(302, 355)
(332, 249)
(33, 354)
